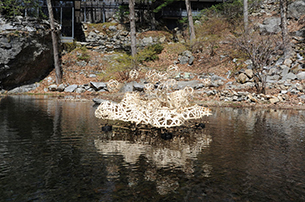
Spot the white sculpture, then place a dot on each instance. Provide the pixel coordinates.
(162, 107)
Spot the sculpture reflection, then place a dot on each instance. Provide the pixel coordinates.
(177, 154)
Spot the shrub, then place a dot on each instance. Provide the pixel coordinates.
(209, 33)
(150, 53)
(175, 48)
(69, 46)
(83, 54)
(260, 50)
(118, 67)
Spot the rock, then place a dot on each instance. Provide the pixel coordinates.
(242, 78)
(24, 88)
(302, 97)
(128, 87)
(249, 73)
(287, 62)
(186, 58)
(138, 87)
(296, 9)
(193, 83)
(252, 98)
(25, 54)
(301, 76)
(274, 100)
(79, 90)
(272, 79)
(273, 71)
(71, 88)
(183, 59)
(98, 100)
(52, 87)
(191, 60)
(299, 33)
(270, 25)
(147, 41)
(98, 85)
(61, 87)
(290, 76)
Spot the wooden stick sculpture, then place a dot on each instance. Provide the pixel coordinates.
(163, 107)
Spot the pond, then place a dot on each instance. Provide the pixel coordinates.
(56, 150)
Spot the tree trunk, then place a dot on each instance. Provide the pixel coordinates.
(58, 71)
(246, 24)
(190, 19)
(286, 45)
(132, 28)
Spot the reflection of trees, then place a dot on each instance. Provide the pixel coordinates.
(177, 153)
(38, 162)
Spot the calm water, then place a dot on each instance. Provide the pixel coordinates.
(55, 150)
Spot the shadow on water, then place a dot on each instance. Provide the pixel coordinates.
(56, 150)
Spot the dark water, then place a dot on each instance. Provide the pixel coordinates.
(55, 150)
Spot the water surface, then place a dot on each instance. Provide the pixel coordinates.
(55, 150)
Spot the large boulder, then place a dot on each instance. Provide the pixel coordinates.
(270, 25)
(26, 54)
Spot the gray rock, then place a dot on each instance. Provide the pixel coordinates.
(273, 71)
(61, 87)
(71, 88)
(272, 79)
(138, 87)
(99, 101)
(147, 41)
(186, 57)
(128, 87)
(270, 25)
(296, 9)
(24, 88)
(191, 60)
(193, 83)
(301, 76)
(183, 59)
(79, 90)
(290, 76)
(113, 28)
(98, 85)
(216, 77)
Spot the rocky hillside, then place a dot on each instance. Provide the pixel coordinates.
(223, 75)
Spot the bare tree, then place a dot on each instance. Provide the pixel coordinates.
(58, 71)
(132, 28)
(286, 44)
(246, 15)
(190, 20)
(260, 50)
